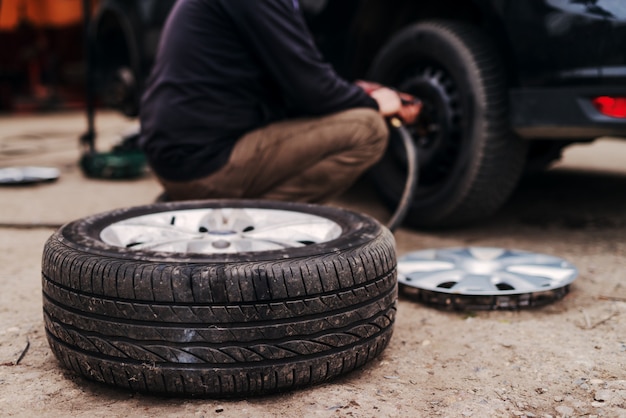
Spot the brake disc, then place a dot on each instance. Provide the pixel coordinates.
(483, 278)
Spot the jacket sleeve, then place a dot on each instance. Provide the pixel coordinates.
(277, 32)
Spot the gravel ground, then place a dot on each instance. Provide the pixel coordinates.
(567, 359)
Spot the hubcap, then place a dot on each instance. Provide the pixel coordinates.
(485, 278)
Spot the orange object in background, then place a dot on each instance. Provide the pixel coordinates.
(41, 13)
(9, 14)
(40, 71)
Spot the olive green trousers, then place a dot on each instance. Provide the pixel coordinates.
(303, 160)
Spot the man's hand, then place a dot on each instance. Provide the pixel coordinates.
(389, 102)
(392, 103)
(411, 108)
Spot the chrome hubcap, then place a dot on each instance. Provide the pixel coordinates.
(481, 271)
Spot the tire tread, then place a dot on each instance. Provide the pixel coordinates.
(217, 329)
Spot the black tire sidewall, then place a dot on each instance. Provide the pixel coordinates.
(83, 235)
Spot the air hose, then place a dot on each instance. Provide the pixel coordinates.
(412, 174)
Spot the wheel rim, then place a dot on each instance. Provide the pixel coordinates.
(438, 132)
(220, 230)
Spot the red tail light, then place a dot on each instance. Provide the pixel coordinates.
(614, 107)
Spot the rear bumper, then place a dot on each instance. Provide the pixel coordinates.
(564, 113)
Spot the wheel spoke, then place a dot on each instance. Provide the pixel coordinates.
(163, 245)
(155, 225)
(271, 243)
(475, 283)
(435, 279)
(524, 283)
(294, 233)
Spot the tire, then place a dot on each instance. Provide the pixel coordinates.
(469, 160)
(218, 324)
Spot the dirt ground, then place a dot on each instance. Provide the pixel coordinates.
(567, 359)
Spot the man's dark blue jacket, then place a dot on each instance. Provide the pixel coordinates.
(226, 67)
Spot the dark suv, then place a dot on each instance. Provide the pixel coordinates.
(506, 83)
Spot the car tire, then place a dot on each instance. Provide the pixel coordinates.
(469, 159)
(218, 324)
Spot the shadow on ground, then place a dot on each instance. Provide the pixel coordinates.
(568, 199)
(559, 199)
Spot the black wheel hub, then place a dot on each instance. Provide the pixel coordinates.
(437, 133)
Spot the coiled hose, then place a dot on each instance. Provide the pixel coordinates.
(411, 178)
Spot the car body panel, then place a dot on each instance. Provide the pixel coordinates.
(558, 54)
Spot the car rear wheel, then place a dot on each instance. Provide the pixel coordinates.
(469, 160)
